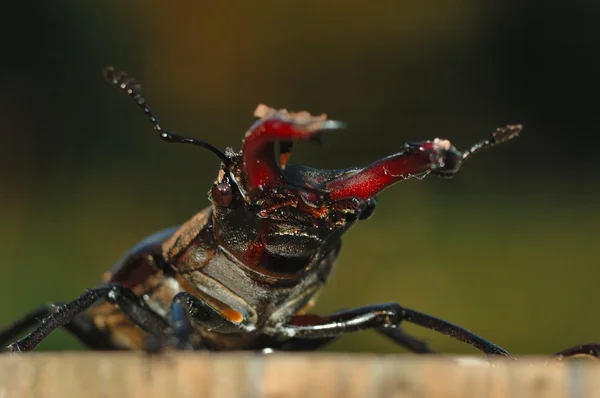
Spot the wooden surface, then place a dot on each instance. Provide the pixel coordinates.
(182, 375)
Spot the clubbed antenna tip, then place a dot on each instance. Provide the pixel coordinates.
(501, 135)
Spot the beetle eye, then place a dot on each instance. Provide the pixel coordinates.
(221, 193)
(369, 209)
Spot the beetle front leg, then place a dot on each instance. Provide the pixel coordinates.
(378, 316)
(80, 326)
(403, 339)
(31, 319)
(128, 302)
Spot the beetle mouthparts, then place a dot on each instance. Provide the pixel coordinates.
(261, 167)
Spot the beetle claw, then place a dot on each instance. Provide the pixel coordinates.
(261, 167)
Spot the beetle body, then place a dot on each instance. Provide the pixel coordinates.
(257, 267)
(243, 273)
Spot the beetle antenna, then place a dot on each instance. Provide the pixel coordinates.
(501, 135)
(134, 90)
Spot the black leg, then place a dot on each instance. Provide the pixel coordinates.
(298, 344)
(127, 301)
(454, 331)
(397, 335)
(378, 316)
(403, 339)
(81, 327)
(589, 350)
(33, 318)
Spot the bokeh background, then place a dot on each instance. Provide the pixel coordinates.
(506, 248)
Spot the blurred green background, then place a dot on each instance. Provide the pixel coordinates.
(506, 248)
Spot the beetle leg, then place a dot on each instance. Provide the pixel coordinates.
(80, 326)
(589, 350)
(297, 344)
(128, 302)
(398, 335)
(378, 316)
(11, 332)
(403, 339)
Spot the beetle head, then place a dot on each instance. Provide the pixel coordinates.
(283, 216)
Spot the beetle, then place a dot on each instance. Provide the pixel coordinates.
(243, 273)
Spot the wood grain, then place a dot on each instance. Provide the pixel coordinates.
(183, 375)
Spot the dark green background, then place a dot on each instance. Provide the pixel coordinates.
(505, 249)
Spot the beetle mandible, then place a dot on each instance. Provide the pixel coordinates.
(243, 273)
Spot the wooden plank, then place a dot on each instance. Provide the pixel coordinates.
(233, 375)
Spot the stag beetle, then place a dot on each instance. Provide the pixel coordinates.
(243, 273)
